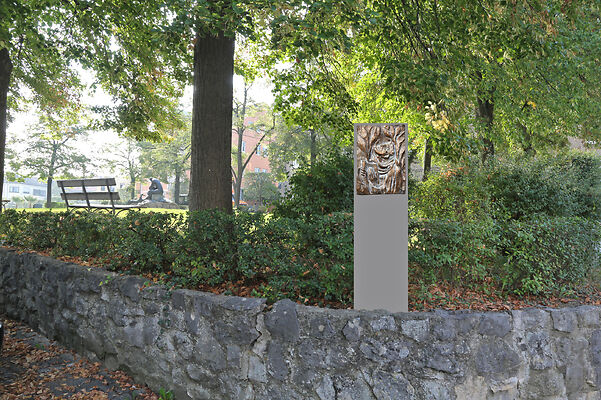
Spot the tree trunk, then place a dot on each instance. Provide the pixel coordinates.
(132, 182)
(427, 159)
(49, 192)
(240, 172)
(176, 189)
(313, 146)
(6, 68)
(240, 115)
(485, 112)
(210, 174)
(526, 140)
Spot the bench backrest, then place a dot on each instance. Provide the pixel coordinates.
(86, 195)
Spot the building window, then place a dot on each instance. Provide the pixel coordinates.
(13, 189)
(264, 151)
(263, 170)
(39, 192)
(257, 169)
(259, 150)
(243, 146)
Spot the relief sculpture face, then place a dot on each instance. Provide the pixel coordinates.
(381, 159)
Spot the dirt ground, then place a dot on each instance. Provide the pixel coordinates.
(35, 368)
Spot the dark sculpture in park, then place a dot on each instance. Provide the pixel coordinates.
(155, 191)
(154, 194)
(381, 150)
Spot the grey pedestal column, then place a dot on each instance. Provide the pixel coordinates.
(381, 217)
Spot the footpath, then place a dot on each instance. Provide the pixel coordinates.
(35, 368)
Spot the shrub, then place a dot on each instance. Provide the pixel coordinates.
(453, 251)
(567, 185)
(320, 189)
(534, 256)
(547, 254)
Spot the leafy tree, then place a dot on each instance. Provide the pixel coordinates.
(322, 188)
(169, 159)
(41, 42)
(502, 72)
(127, 161)
(249, 119)
(30, 200)
(296, 146)
(18, 200)
(260, 188)
(49, 152)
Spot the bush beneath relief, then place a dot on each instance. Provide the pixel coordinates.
(538, 256)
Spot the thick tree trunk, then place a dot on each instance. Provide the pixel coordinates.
(176, 189)
(6, 68)
(427, 159)
(313, 146)
(210, 175)
(49, 192)
(485, 112)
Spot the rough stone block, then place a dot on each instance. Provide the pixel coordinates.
(282, 321)
(383, 323)
(276, 361)
(595, 351)
(497, 359)
(564, 320)
(352, 330)
(539, 349)
(252, 305)
(543, 384)
(588, 316)
(178, 300)
(495, 324)
(417, 330)
(321, 327)
(531, 318)
(130, 287)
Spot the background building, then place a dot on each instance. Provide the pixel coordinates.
(30, 190)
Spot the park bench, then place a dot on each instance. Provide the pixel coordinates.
(94, 189)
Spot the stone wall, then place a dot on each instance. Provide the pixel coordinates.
(204, 346)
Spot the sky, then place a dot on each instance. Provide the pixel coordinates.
(17, 129)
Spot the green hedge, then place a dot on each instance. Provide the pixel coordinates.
(541, 255)
(300, 259)
(282, 257)
(567, 185)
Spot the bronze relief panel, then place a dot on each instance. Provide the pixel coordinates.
(381, 153)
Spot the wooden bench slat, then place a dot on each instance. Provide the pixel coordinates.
(86, 182)
(107, 206)
(90, 196)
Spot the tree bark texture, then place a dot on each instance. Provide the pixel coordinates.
(485, 112)
(210, 175)
(239, 164)
(313, 146)
(49, 192)
(240, 129)
(6, 68)
(177, 185)
(427, 159)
